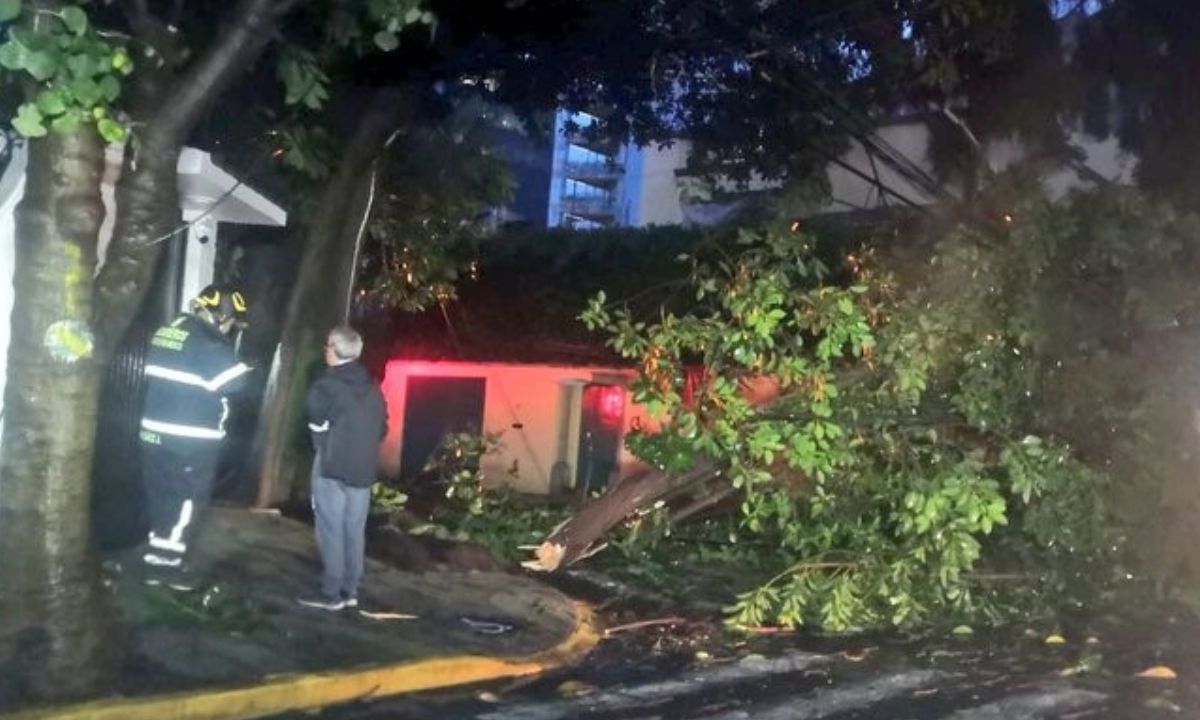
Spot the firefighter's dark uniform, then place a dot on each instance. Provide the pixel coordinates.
(191, 368)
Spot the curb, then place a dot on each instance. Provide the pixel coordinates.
(316, 690)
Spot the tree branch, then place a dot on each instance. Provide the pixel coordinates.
(252, 29)
(283, 7)
(954, 118)
(151, 31)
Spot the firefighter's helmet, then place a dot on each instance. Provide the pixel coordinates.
(223, 303)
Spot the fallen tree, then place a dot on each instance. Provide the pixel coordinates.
(909, 451)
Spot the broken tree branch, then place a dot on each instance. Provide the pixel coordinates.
(673, 620)
(570, 543)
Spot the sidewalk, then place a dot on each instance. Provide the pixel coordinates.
(240, 647)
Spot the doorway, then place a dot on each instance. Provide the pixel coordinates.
(436, 407)
(602, 416)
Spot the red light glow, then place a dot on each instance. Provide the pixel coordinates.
(607, 401)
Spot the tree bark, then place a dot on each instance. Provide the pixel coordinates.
(53, 624)
(319, 297)
(147, 195)
(572, 540)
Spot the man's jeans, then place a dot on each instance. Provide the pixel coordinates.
(340, 511)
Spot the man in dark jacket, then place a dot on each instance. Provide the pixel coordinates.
(191, 368)
(348, 419)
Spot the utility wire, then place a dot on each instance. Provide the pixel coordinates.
(862, 128)
(864, 133)
(183, 227)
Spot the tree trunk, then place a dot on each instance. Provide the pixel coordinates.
(572, 540)
(53, 624)
(319, 298)
(147, 195)
(147, 200)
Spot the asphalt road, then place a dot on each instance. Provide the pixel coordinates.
(1006, 678)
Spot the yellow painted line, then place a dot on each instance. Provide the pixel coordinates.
(316, 690)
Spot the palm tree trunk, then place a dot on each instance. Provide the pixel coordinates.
(53, 624)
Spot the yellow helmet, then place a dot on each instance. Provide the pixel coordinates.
(223, 302)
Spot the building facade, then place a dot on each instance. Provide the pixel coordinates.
(598, 184)
(557, 427)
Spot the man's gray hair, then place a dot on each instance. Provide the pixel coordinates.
(346, 343)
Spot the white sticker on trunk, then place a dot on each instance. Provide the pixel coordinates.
(68, 340)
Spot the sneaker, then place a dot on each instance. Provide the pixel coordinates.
(350, 602)
(320, 602)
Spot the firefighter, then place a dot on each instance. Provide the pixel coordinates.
(191, 369)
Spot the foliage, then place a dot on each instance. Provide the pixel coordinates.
(76, 69)
(77, 57)
(907, 447)
(437, 186)
(774, 89)
(1134, 68)
(387, 499)
(477, 509)
(458, 465)
(210, 607)
(304, 70)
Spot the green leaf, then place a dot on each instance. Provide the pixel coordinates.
(12, 55)
(86, 91)
(80, 66)
(121, 62)
(75, 19)
(41, 64)
(66, 123)
(50, 102)
(413, 15)
(110, 88)
(386, 41)
(28, 121)
(9, 10)
(111, 130)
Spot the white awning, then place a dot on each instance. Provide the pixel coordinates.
(206, 188)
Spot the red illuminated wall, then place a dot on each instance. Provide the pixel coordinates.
(528, 405)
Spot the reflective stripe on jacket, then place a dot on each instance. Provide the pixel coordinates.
(190, 369)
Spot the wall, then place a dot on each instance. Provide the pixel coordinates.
(1103, 156)
(12, 187)
(848, 191)
(653, 186)
(543, 400)
(530, 162)
(657, 186)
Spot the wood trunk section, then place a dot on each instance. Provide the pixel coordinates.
(53, 625)
(701, 488)
(573, 539)
(147, 219)
(319, 299)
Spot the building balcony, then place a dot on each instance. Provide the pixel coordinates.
(604, 173)
(590, 207)
(589, 139)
